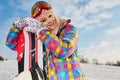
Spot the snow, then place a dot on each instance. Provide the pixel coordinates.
(8, 69)
(101, 72)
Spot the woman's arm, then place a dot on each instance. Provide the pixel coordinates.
(11, 40)
(62, 48)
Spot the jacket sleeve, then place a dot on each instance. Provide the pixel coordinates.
(61, 48)
(12, 37)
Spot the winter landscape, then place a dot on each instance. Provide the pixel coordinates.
(98, 24)
(8, 69)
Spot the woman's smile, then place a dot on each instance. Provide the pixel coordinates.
(52, 23)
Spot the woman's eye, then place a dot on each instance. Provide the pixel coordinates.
(43, 20)
(50, 16)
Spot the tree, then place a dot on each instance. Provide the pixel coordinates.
(83, 60)
(95, 61)
(108, 63)
(1, 58)
(118, 63)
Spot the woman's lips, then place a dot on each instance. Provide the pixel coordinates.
(51, 23)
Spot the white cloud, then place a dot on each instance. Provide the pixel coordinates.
(88, 23)
(104, 43)
(103, 51)
(94, 48)
(80, 19)
(118, 42)
(105, 15)
(98, 5)
(114, 31)
(98, 11)
(102, 15)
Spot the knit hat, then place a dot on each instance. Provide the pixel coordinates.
(38, 6)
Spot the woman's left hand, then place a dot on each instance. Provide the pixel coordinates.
(33, 25)
(34, 29)
(31, 29)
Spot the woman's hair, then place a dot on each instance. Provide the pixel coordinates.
(38, 6)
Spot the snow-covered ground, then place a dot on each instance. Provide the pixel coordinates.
(101, 72)
(8, 69)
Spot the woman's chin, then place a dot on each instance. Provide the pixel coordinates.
(51, 27)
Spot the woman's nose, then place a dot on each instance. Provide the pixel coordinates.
(49, 21)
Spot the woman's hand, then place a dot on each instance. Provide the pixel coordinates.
(33, 25)
(36, 30)
(20, 23)
(28, 22)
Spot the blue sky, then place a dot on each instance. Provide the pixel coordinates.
(98, 23)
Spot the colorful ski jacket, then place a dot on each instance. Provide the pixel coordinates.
(63, 61)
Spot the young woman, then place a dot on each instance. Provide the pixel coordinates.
(60, 43)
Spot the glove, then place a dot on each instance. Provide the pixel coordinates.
(20, 23)
(31, 29)
(27, 22)
(35, 29)
(33, 25)
(31, 22)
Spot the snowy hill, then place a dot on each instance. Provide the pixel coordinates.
(8, 69)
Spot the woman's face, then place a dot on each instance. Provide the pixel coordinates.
(48, 19)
